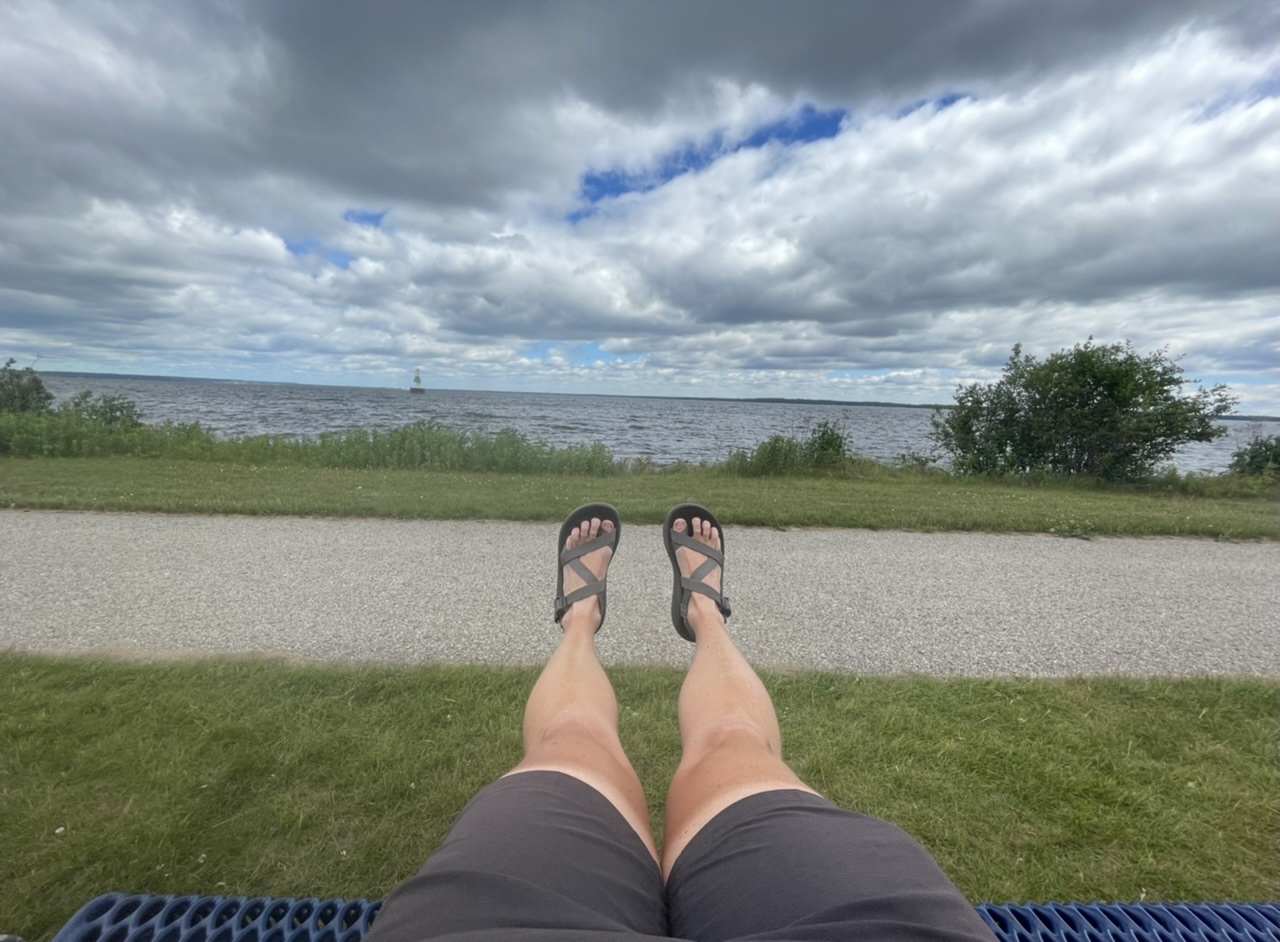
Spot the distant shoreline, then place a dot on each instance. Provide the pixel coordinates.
(780, 400)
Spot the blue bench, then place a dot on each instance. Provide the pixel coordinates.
(120, 918)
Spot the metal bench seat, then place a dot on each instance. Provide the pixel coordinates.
(117, 917)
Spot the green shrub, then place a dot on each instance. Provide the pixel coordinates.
(22, 390)
(107, 410)
(1097, 411)
(826, 449)
(69, 435)
(1260, 457)
(775, 455)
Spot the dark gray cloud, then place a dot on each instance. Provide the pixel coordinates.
(442, 104)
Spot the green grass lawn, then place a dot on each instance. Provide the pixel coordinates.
(246, 777)
(881, 500)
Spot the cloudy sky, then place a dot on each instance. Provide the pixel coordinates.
(727, 197)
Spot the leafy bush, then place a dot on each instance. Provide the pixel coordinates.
(1100, 411)
(775, 455)
(1260, 456)
(22, 390)
(108, 410)
(825, 449)
(68, 435)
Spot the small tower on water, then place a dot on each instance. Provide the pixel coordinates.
(417, 382)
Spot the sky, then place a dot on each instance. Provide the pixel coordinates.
(807, 199)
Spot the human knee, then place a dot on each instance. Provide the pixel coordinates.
(578, 725)
(739, 735)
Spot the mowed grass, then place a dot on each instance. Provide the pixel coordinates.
(888, 500)
(255, 778)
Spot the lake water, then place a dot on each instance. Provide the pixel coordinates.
(661, 430)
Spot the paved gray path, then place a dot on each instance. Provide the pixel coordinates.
(848, 600)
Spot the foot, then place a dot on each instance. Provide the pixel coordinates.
(703, 612)
(585, 615)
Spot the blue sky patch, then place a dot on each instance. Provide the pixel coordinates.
(804, 128)
(690, 159)
(541, 350)
(583, 354)
(1266, 87)
(304, 247)
(809, 124)
(365, 217)
(941, 103)
(597, 186)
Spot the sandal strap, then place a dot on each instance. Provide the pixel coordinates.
(573, 559)
(698, 546)
(708, 566)
(578, 566)
(577, 595)
(582, 549)
(690, 587)
(694, 581)
(694, 585)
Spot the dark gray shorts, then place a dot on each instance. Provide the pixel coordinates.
(542, 855)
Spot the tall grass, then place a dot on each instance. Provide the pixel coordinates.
(824, 449)
(426, 446)
(69, 435)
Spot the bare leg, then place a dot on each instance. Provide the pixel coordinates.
(732, 746)
(571, 720)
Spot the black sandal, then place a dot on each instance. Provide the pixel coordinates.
(683, 587)
(572, 558)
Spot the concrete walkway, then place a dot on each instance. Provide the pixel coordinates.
(846, 600)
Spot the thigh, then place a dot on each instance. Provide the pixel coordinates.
(532, 851)
(734, 766)
(791, 865)
(588, 754)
